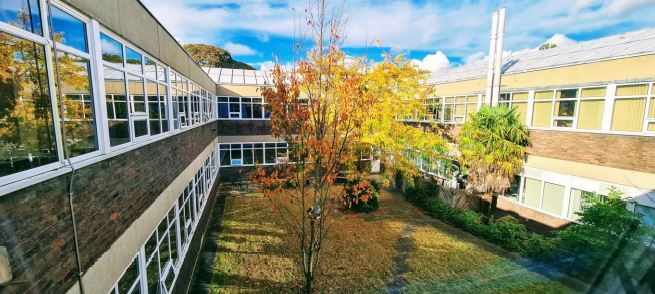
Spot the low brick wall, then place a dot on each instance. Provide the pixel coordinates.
(244, 127)
(534, 219)
(109, 196)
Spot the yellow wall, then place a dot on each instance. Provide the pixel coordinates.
(461, 88)
(603, 72)
(623, 177)
(238, 90)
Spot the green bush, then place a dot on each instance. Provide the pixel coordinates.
(506, 231)
(360, 195)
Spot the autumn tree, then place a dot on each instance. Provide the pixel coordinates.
(492, 147)
(327, 107)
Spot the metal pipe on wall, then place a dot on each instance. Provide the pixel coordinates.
(492, 53)
(498, 63)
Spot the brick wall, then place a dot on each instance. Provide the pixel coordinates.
(109, 196)
(244, 127)
(619, 151)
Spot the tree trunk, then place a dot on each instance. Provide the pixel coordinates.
(491, 200)
(309, 266)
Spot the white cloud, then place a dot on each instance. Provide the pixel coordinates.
(560, 40)
(270, 65)
(458, 28)
(433, 62)
(239, 49)
(476, 57)
(623, 7)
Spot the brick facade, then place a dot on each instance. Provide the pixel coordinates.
(635, 153)
(244, 127)
(109, 196)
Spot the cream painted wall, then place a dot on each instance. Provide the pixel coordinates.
(628, 178)
(110, 266)
(238, 90)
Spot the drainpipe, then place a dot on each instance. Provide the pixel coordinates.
(498, 63)
(71, 183)
(492, 58)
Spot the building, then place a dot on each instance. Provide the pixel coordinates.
(112, 138)
(590, 108)
(136, 119)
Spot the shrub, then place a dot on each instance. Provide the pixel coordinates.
(360, 195)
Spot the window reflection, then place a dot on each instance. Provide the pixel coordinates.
(112, 51)
(117, 111)
(132, 60)
(68, 30)
(78, 106)
(23, 14)
(27, 136)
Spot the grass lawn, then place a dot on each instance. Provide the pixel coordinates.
(396, 248)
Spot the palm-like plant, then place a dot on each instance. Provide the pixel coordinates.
(492, 147)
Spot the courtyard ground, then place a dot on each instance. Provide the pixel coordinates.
(395, 249)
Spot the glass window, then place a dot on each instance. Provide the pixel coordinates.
(27, 135)
(130, 278)
(79, 121)
(591, 114)
(68, 30)
(248, 157)
(269, 153)
(628, 114)
(514, 189)
(136, 93)
(154, 113)
(161, 73)
(150, 69)
(23, 14)
(541, 114)
(553, 198)
(259, 153)
(532, 192)
(163, 107)
(112, 50)
(117, 109)
(133, 60)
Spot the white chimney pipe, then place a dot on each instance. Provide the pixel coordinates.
(499, 56)
(492, 53)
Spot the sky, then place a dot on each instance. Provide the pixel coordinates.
(436, 35)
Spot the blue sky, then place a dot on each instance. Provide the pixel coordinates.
(437, 34)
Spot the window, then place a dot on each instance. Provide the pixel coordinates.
(23, 14)
(553, 198)
(117, 109)
(629, 108)
(565, 105)
(542, 109)
(79, 117)
(137, 105)
(532, 192)
(518, 101)
(68, 30)
(592, 107)
(130, 280)
(112, 50)
(513, 191)
(253, 153)
(242, 108)
(455, 109)
(27, 135)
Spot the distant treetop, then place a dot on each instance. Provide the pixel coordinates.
(546, 46)
(212, 56)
